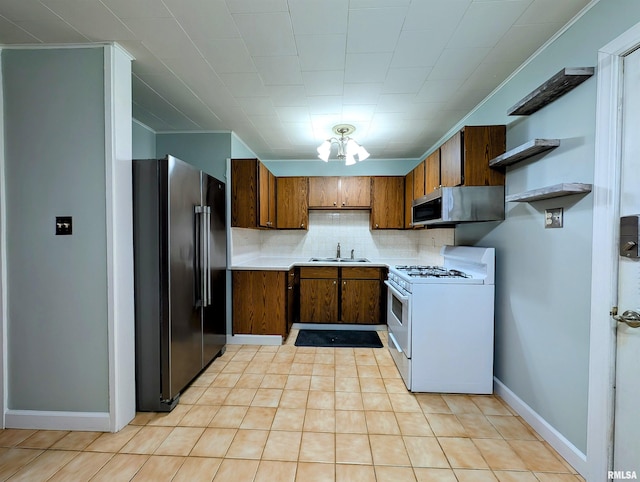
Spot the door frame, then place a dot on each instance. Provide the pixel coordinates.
(604, 257)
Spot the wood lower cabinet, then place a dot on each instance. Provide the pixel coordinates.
(293, 203)
(387, 202)
(318, 294)
(260, 302)
(293, 298)
(359, 299)
(361, 295)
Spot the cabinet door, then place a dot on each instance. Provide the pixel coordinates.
(355, 192)
(387, 202)
(451, 161)
(418, 180)
(323, 192)
(318, 300)
(259, 302)
(480, 145)
(408, 199)
(360, 301)
(292, 202)
(266, 197)
(293, 295)
(432, 172)
(244, 193)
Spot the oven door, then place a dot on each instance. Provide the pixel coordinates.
(399, 319)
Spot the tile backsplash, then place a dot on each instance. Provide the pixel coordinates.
(350, 229)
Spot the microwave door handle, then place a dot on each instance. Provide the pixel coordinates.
(396, 293)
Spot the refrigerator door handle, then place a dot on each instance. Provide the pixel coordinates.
(207, 259)
(199, 256)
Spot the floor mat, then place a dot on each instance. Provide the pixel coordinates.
(339, 338)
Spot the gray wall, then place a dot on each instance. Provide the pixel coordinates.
(335, 167)
(207, 151)
(543, 275)
(143, 141)
(57, 285)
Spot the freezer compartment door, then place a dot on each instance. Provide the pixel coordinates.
(214, 323)
(182, 331)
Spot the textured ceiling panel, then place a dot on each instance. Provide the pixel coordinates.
(282, 73)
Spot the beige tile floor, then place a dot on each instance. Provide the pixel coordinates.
(279, 414)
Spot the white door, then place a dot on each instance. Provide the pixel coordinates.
(627, 393)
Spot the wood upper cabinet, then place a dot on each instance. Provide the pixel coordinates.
(387, 202)
(355, 192)
(361, 295)
(333, 192)
(260, 302)
(253, 194)
(432, 172)
(418, 180)
(292, 202)
(464, 158)
(267, 197)
(408, 199)
(318, 294)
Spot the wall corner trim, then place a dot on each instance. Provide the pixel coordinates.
(564, 447)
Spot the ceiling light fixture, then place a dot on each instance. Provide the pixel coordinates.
(347, 147)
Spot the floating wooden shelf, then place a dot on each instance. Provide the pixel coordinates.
(520, 153)
(558, 190)
(556, 86)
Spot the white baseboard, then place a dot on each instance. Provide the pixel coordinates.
(46, 420)
(254, 340)
(566, 449)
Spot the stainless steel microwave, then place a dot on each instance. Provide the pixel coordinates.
(461, 204)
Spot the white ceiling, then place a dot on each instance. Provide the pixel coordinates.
(281, 73)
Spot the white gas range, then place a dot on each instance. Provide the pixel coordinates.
(440, 321)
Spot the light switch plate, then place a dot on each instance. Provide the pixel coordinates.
(64, 225)
(553, 218)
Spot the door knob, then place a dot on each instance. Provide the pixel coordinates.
(630, 317)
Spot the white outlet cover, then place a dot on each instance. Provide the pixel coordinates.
(553, 218)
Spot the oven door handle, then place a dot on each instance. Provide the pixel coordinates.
(393, 340)
(395, 292)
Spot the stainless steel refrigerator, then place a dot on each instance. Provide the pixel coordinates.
(180, 256)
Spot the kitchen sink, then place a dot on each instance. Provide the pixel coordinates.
(339, 260)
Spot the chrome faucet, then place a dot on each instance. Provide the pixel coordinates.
(338, 251)
(352, 253)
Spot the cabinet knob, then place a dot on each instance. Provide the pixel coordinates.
(335, 203)
(302, 225)
(376, 225)
(344, 283)
(335, 282)
(344, 203)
